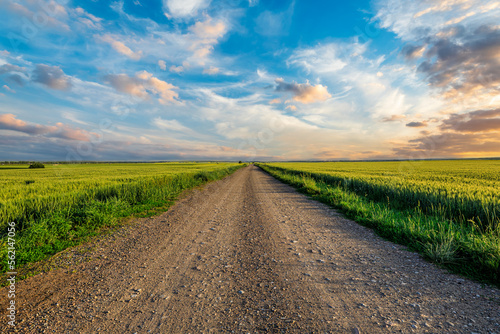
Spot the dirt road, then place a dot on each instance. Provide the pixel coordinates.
(248, 254)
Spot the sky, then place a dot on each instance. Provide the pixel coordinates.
(249, 80)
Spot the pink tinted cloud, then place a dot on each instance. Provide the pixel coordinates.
(303, 93)
(143, 85)
(120, 47)
(60, 130)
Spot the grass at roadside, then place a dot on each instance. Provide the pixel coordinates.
(46, 224)
(462, 248)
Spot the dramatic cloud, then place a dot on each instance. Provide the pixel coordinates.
(184, 8)
(60, 130)
(456, 44)
(304, 93)
(424, 70)
(413, 51)
(121, 48)
(51, 76)
(447, 145)
(473, 134)
(476, 121)
(465, 64)
(142, 85)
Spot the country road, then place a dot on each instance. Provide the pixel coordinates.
(248, 254)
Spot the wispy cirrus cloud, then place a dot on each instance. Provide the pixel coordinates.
(59, 130)
(171, 125)
(90, 21)
(274, 24)
(184, 8)
(52, 13)
(120, 47)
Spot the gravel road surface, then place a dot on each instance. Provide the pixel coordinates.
(248, 254)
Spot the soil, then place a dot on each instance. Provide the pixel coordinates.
(248, 254)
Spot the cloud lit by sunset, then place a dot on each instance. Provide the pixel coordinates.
(209, 80)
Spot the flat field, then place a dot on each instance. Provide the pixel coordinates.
(248, 254)
(57, 206)
(448, 210)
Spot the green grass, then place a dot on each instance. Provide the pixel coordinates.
(60, 206)
(396, 206)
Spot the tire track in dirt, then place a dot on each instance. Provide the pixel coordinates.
(249, 254)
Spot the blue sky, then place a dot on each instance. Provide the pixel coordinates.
(246, 80)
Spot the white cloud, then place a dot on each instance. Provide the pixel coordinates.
(52, 13)
(303, 93)
(172, 125)
(143, 85)
(121, 47)
(455, 44)
(413, 20)
(328, 58)
(206, 35)
(87, 19)
(176, 69)
(211, 70)
(162, 64)
(208, 30)
(184, 8)
(368, 84)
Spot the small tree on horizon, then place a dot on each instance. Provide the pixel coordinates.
(37, 165)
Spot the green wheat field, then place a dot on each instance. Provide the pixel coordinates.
(60, 206)
(447, 210)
